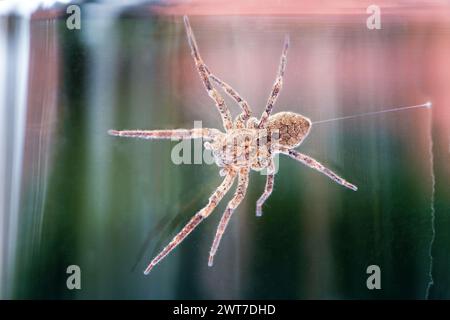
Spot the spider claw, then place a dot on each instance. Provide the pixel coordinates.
(258, 211)
(114, 132)
(148, 269)
(286, 42)
(351, 186)
(210, 261)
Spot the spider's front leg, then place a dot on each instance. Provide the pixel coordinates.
(232, 205)
(267, 190)
(205, 133)
(204, 75)
(195, 220)
(316, 165)
(276, 86)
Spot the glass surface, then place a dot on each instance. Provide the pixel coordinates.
(109, 204)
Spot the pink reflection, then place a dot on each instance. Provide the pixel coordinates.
(417, 9)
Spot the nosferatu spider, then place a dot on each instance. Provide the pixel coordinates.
(247, 144)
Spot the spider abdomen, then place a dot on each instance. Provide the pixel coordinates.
(288, 128)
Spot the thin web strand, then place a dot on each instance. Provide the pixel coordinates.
(424, 105)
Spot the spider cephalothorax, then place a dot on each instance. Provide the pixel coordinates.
(247, 144)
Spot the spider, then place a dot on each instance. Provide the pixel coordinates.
(247, 144)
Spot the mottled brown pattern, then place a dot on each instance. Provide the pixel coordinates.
(289, 127)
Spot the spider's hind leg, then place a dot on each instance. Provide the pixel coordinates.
(232, 205)
(195, 220)
(314, 164)
(246, 111)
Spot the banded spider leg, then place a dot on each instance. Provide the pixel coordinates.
(276, 86)
(246, 111)
(267, 189)
(215, 198)
(231, 206)
(204, 75)
(316, 165)
(205, 133)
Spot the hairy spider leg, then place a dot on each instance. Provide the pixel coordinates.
(314, 164)
(276, 86)
(205, 133)
(204, 75)
(246, 111)
(231, 206)
(196, 219)
(267, 190)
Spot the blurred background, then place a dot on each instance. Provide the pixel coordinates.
(72, 195)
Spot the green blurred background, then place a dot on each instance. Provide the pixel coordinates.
(109, 204)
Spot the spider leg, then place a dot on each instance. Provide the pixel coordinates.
(204, 75)
(267, 190)
(314, 164)
(196, 219)
(231, 206)
(195, 133)
(246, 111)
(276, 86)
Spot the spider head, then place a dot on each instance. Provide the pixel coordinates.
(289, 128)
